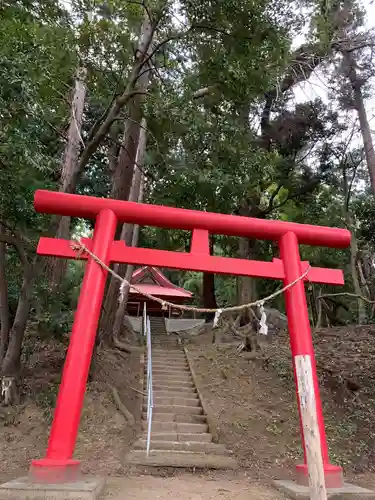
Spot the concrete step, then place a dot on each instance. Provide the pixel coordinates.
(162, 458)
(177, 384)
(161, 343)
(173, 436)
(172, 388)
(175, 394)
(195, 446)
(168, 354)
(170, 370)
(178, 353)
(168, 364)
(177, 417)
(180, 428)
(183, 379)
(171, 373)
(167, 348)
(188, 410)
(174, 401)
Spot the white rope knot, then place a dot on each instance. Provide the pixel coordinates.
(263, 330)
(78, 247)
(164, 306)
(217, 317)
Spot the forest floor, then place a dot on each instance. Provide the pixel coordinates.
(188, 487)
(104, 435)
(252, 407)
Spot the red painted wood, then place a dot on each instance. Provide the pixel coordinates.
(69, 403)
(106, 211)
(88, 207)
(194, 262)
(200, 242)
(301, 338)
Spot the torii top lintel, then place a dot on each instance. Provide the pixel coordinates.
(88, 207)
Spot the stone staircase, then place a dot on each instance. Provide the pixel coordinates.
(158, 326)
(180, 436)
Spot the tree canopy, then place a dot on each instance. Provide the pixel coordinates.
(212, 85)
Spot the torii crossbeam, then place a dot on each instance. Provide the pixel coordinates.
(107, 213)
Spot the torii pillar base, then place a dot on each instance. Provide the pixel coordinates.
(24, 488)
(345, 492)
(53, 471)
(333, 475)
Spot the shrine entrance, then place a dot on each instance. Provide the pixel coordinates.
(59, 465)
(151, 281)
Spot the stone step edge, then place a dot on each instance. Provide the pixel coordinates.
(172, 388)
(179, 427)
(181, 459)
(175, 394)
(173, 436)
(194, 418)
(200, 446)
(192, 410)
(190, 401)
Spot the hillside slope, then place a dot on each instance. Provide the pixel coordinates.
(104, 435)
(253, 405)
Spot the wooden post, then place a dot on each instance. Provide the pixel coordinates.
(309, 419)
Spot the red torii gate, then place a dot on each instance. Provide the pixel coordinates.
(58, 465)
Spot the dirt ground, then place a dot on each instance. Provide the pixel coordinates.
(187, 487)
(252, 410)
(253, 405)
(104, 436)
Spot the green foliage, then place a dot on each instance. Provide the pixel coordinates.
(55, 319)
(35, 80)
(220, 152)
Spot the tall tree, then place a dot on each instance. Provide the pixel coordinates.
(131, 231)
(34, 74)
(69, 167)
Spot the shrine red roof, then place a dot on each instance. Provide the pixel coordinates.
(152, 281)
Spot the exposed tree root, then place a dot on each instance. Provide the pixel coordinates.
(122, 408)
(124, 346)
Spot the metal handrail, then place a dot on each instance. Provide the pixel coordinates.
(150, 395)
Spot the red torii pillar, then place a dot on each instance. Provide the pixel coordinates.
(59, 465)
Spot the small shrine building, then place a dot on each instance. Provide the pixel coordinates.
(152, 281)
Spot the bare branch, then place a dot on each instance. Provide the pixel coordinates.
(18, 245)
(273, 196)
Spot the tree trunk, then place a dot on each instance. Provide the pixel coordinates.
(367, 270)
(121, 309)
(11, 364)
(4, 304)
(122, 179)
(69, 169)
(123, 175)
(353, 247)
(209, 296)
(362, 116)
(127, 231)
(353, 266)
(247, 290)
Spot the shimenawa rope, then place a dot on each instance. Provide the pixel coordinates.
(81, 248)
